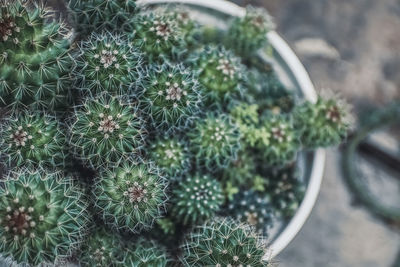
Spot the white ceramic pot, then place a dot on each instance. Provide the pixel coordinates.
(293, 76)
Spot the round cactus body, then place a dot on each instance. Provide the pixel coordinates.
(101, 15)
(220, 72)
(215, 141)
(224, 243)
(43, 217)
(34, 59)
(324, 123)
(249, 33)
(241, 171)
(130, 197)
(31, 140)
(158, 36)
(196, 199)
(105, 130)
(143, 254)
(107, 63)
(252, 208)
(171, 156)
(171, 96)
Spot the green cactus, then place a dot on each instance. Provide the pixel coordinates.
(34, 59)
(220, 72)
(158, 36)
(171, 155)
(248, 34)
(324, 123)
(224, 243)
(196, 199)
(43, 217)
(105, 130)
(254, 209)
(101, 15)
(32, 139)
(284, 144)
(107, 63)
(130, 197)
(171, 96)
(144, 253)
(102, 248)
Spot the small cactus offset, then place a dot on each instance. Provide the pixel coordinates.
(324, 123)
(196, 199)
(171, 155)
(34, 59)
(224, 243)
(171, 96)
(101, 15)
(43, 217)
(249, 33)
(107, 63)
(144, 253)
(130, 197)
(105, 130)
(32, 139)
(215, 141)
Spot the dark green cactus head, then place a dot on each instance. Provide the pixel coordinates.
(43, 217)
(105, 130)
(34, 59)
(196, 199)
(107, 63)
(224, 243)
(130, 197)
(144, 253)
(32, 139)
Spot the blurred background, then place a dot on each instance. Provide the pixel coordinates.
(353, 48)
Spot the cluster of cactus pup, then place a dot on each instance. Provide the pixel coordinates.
(136, 136)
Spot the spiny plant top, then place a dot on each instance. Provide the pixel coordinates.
(32, 139)
(249, 33)
(34, 60)
(196, 199)
(130, 197)
(105, 130)
(100, 15)
(144, 253)
(43, 217)
(171, 155)
(107, 63)
(324, 123)
(171, 96)
(159, 36)
(220, 72)
(214, 141)
(224, 242)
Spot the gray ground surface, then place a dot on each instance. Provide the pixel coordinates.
(351, 47)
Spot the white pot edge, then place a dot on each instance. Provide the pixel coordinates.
(307, 88)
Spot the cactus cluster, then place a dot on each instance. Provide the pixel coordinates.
(159, 124)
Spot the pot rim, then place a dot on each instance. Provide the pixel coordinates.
(307, 88)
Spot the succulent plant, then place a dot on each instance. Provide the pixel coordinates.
(107, 63)
(144, 253)
(324, 123)
(102, 248)
(101, 15)
(171, 155)
(105, 130)
(43, 217)
(196, 199)
(215, 141)
(220, 72)
(131, 196)
(171, 96)
(224, 242)
(284, 144)
(158, 36)
(248, 34)
(35, 64)
(32, 139)
(253, 208)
